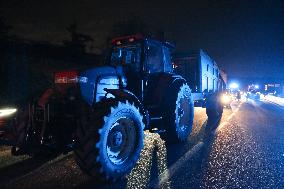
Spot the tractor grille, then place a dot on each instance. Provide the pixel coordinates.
(41, 113)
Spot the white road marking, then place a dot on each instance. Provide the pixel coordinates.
(229, 118)
(166, 175)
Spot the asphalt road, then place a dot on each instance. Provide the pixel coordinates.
(245, 151)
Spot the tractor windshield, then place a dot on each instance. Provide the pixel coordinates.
(158, 58)
(129, 55)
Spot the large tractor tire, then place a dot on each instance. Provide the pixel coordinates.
(109, 139)
(178, 113)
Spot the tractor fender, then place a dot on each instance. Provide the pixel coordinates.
(123, 94)
(158, 86)
(44, 98)
(177, 80)
(62, 92)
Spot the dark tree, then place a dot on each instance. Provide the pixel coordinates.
(136, 25)
(4, 28)
(79, 41)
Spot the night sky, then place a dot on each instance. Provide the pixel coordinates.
(244, 37)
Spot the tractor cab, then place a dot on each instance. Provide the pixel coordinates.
(141, 54)
(141, 58)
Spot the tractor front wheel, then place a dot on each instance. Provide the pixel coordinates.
(109, 139)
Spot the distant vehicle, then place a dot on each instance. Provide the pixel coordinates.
(254, 95)
(253, 92)
(203, 76)
(238, 95)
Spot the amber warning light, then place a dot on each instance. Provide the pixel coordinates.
(126, 39)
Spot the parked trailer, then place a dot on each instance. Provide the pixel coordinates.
(204, 78)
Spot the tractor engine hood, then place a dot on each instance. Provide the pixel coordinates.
(89, 80)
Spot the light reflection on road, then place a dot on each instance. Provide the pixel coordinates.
(140, 176)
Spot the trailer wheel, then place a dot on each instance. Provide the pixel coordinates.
(109, 139)
(214, 106)
(178, 114)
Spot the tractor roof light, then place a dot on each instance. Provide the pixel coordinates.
(126, 39)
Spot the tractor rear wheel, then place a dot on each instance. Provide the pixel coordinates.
(109, 139)
(178, 113)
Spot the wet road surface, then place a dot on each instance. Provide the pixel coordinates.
(246, 151)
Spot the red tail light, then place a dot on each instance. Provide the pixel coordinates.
(66, 77)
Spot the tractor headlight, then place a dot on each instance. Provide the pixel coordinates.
(111, 82)
(6, 112)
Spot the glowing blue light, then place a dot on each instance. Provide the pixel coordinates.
(120, 53)
(234, 86)
(256, 86)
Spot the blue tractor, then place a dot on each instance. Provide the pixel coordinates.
(102, 112)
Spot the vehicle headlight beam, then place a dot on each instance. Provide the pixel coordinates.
(225, 99)
(5, 112)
